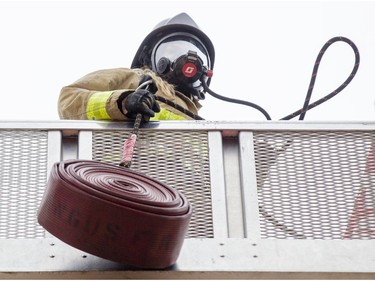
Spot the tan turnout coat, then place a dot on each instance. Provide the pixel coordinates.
(74, 98)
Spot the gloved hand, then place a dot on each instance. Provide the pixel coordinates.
(141, 101)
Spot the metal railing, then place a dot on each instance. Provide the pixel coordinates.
(270, 199)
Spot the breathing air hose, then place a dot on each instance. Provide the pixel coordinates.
(212, 93)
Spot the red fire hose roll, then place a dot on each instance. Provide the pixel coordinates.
(115, 213)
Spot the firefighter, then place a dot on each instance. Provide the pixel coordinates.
(174, 57)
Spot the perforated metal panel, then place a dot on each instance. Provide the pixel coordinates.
(177, 158)
(23, 164)
(314, 185)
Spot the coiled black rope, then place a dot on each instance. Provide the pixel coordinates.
(306, 106)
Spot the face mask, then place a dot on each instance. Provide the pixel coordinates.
(181, 60)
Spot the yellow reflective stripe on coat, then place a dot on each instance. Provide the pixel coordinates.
(96, 106)
(165, 114)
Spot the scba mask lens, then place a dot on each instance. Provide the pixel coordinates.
(181, 60)
(174, 47)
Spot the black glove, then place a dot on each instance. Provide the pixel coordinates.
(143, 102)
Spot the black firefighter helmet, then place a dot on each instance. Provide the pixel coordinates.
(178, 51)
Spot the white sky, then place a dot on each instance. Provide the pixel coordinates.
(265, 52)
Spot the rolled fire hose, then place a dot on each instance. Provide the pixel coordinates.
(115, 213)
